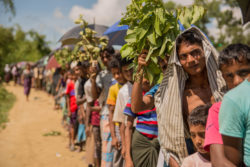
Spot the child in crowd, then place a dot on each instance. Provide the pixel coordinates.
(144, 143)
(80, 99)
(122, 98)
(197, 123)
(93, 118)
(115, 67)
(234, 65)
(72, 114)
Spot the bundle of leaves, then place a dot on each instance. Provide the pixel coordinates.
(64, 56)
(90, 43)
(154, 29)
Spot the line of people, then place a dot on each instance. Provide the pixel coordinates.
(197, 116)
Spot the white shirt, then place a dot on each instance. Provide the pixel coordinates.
(104, 81)
(87, 90)
(123, 96)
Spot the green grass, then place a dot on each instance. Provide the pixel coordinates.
(6, 102)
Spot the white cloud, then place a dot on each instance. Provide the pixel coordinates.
(105, 12)
(236, 11)
(213, 30)
(182, 2)
(58, 14)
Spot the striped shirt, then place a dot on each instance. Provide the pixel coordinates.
(146, 121)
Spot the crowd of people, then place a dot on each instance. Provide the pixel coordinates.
(198, 116)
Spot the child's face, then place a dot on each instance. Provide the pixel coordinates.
(127, 73)
(198, 136)
(72, 77)
(78, 71)
(117, 75)
(235, 72)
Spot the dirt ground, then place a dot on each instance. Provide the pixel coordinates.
(22, 143)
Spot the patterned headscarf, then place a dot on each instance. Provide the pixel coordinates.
(168, 100)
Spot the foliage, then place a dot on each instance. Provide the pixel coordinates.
(90, 43)
(219, 14)
(154, 29)
(17, 45)
(52, 133)
(64, 56)
(9, 6)
(6, 102)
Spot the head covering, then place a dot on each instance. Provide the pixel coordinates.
(168, 100)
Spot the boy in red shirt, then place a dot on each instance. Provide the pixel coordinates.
(71, 101)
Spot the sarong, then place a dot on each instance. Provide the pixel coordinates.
(107, 151)
(98, 141)
(27, 86)
(118, 160)
(145, 151)
(81, 136)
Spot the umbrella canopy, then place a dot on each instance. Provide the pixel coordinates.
(73, 36)
(52, 63)
(245, 10)
(116, 34)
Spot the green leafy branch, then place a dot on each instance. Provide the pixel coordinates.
(153, 28)
(64, 56)
(89, 42)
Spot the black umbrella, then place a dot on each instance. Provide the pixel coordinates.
(73, 36)
(245, 9)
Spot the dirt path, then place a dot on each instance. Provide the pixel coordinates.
(22, 143)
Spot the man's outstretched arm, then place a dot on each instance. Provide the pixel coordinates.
(138, 101)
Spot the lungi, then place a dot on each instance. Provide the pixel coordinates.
(145, 151)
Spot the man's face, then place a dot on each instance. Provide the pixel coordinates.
(78, 71)
(198, 136)
(106, 57)
(192, 58)
(235, 73)
(117, 75)
(127, 73)
(164, 63)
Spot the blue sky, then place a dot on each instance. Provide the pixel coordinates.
(54, 17)
(48, 17)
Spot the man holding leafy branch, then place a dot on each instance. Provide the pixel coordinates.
(100, 88)
(191, 78)
(189, 81)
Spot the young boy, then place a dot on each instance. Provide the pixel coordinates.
(115, 67)
(71, 101)
(81, 72)
(122, 98)
(233, 63)
(93, 121)
(234, 116)
(197, 123)
(144, 144)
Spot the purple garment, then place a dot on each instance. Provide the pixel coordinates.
(27, 82)
(73, 119)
